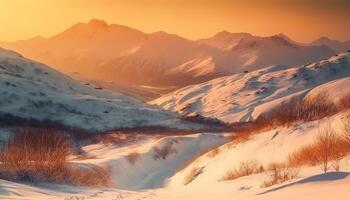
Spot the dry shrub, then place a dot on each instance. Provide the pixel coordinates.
(214, 153)
(327, 150)
(40, 155)
(245, 169)
(241, 136)
(164, 151)
(192, 175)
(133, 157)
(91, 175)
(346, 122)
(344, 102)
(296, 110)
(279, 173)
(304, 156)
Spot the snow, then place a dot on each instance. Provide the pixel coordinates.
(244, 96)
(136, 181)
(150, 171)
(117, 53)
(33, 90)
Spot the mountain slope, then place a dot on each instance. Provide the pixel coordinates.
(226, 40)
(244, 96)
(335, 45)
(31, 90)
(125, 55)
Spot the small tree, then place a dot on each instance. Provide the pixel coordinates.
(326, 142)
(346, 122)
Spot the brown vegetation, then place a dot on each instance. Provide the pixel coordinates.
(294, 111)
(214, 152)
(192, 175)
(327, 150)
(297, 110)
(40, 155)
(278, 173)
(245, 169)
(346, 122)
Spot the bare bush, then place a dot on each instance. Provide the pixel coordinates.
(296, 110)
(245, 169)
(327, 150)
(346, 122)
(344, 102)
(40, 155)
(279, 173)
(192, 175)
(304, 156)
(35, 148)
(133, 157)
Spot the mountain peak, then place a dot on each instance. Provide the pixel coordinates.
(97, 23)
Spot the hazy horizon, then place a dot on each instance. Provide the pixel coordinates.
(193, 19)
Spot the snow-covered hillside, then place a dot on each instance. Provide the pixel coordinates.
(125, 55)
(33, 90)
(244, 96)
(148, 176)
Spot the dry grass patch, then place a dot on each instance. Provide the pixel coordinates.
(278, 173)
(245, 169)
(296, 110)
(192, 175)
(40, 155)
(214, 152)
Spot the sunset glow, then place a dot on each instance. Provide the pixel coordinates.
(302, 20)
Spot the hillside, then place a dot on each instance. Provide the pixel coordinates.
(31, 90)
(244, 96)
(203, 159)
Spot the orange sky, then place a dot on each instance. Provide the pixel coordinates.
(303, 20)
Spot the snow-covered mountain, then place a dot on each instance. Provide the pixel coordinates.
(31, 90)
(335, 45)
(244, 96)
(226, 40)
(125, 55)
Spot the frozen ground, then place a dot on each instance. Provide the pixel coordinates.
(158, 179)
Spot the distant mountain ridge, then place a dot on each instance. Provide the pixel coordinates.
(335, 45)
(125, 55)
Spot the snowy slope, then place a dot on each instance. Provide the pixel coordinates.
(32, 90)
(165, 178)
(150, 169)
(244, 96)
(264, 148)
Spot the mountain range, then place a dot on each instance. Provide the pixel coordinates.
(128, 56)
